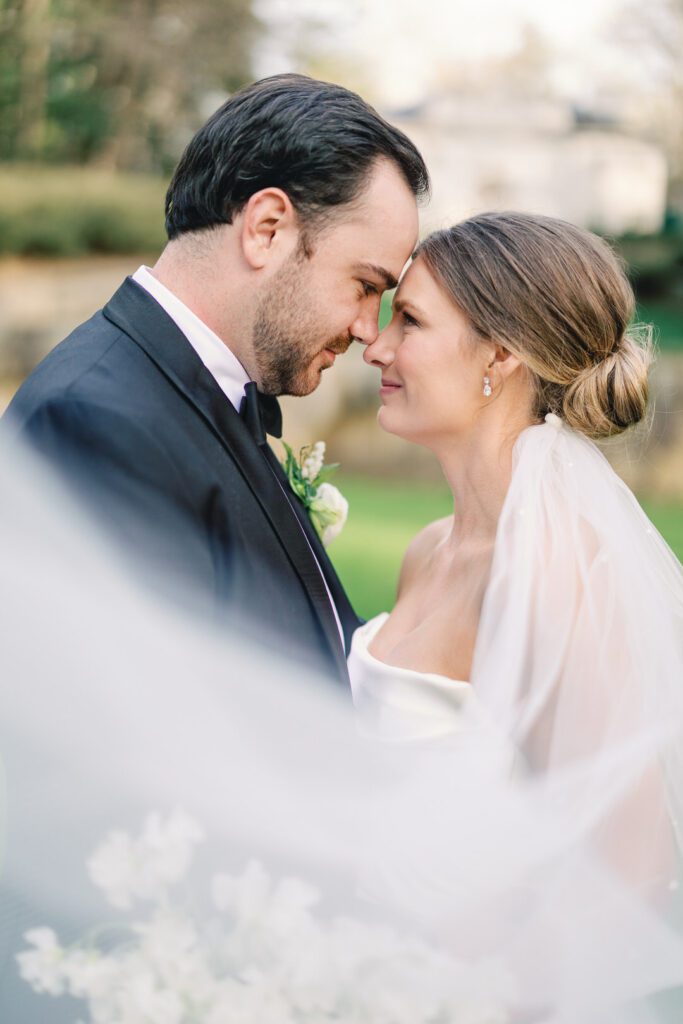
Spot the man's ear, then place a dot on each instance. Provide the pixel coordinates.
(269, 229)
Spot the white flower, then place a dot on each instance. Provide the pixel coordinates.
(113, 868)
(244, 896)
(251, 896)
(126, 869)
(313, 463)
(271, 927)
(141, 1000)
(170, 945)
(267, 959)
(329, 511)
(325, 505)
(258, 1001)
(89, 975)
(43, 966)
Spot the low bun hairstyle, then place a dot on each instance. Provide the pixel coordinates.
(612, 395)
(558, 298)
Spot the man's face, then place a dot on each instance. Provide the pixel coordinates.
(315, 306)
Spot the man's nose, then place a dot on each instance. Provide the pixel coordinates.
(365, 328)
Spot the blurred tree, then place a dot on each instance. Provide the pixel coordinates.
(10, 89)
(524, 71)
(120, 83)
(34, 56)
(654, 33)
(315, 39)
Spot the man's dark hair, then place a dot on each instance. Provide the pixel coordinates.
(314, 140)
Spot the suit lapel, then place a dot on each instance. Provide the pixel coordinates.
(146, 323)
(347, 615)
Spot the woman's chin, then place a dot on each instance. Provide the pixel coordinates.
(384, 419)
(391, 422)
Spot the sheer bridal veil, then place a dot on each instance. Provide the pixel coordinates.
(580, 647)
(194, 832)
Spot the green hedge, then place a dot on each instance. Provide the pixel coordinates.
(654, 261)
(70, 211)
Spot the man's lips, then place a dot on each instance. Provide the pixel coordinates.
(338, 350)
(331, 355)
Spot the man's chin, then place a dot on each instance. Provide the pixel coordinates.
(308, 380)
(306, 383)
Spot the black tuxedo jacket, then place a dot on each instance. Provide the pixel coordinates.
(128, 413)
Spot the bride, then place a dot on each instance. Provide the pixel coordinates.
(547, 605)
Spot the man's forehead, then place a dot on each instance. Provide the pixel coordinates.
(394, 212)
(382, 249)
(386, 199)
(378, 231)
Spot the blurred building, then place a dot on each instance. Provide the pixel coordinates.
(495, 151)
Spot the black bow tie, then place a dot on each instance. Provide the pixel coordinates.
(261, 413)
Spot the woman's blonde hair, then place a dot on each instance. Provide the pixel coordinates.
(558, 298)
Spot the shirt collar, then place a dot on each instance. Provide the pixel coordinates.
(219, 360)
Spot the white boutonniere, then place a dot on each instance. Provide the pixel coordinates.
(326, 505)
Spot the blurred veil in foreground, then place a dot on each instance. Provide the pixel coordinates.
(192, 832)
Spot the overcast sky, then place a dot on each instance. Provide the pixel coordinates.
(401, 46)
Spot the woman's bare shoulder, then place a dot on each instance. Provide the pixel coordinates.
(421, 549)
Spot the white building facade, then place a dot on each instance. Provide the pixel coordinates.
(496, 153)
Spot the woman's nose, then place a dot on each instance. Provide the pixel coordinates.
(381, 351)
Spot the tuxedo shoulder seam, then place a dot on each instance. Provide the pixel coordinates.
(73, 384)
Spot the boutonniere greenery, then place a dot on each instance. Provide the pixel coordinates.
(307, 475)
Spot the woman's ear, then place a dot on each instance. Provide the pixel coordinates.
(269, 230)
(503, 362)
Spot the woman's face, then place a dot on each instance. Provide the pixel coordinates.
(432, 365)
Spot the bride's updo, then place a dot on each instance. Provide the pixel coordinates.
(557, 297)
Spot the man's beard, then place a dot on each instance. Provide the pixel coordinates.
(288, 337)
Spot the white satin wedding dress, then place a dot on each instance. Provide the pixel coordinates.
(398, 704)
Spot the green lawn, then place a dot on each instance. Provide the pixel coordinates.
(384, 516)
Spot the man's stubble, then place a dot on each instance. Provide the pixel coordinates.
(289, 333)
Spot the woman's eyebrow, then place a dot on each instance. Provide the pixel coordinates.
(400, 304)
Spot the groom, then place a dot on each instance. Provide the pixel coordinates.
(291, 211)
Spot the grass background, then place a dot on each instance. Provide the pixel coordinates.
(385, 515)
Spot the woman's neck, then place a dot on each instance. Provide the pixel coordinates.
(478, 469)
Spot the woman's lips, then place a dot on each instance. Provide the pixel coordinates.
(389, 387)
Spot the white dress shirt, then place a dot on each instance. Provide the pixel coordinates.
(222, 364)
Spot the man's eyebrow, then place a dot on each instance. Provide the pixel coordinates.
(388, 278)
(399, 304)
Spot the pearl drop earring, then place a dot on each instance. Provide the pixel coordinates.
(488, 390)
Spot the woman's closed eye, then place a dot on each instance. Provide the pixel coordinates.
(408, 320)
